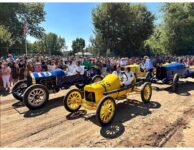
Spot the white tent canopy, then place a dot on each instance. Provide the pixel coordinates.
(85, 54)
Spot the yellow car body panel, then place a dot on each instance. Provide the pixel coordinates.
(136, 69)
(110, 82)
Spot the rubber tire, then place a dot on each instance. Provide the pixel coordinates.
(175, 82)
(98, 111)
(15, 87)
(142, 93)
(28, 90)
(65, 100)
(95, 77)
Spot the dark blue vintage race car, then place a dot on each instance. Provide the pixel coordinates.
(170, 74)
(34, 91)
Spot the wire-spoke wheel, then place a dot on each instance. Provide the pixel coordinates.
(106, 111)
(36, 96)
(73, 100)
(146, 92)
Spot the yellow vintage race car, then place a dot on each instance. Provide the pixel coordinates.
(101, 96)
(137, 70)
(140, 72)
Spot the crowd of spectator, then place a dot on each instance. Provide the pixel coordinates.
(14, 69)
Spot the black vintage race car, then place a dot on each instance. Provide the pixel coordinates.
(170, 74)
(34, 91)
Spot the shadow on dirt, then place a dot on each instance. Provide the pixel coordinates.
(18, 104)
(114, 130)
(184, 88)
(52, 103)
(76, 115)
(3, 92)
(125, 111)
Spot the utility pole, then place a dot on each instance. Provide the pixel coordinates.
(26, 45)
(25, 31)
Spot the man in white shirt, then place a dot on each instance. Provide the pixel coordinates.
(148, 64)
(130, 76)
(125, 80)
(71, 69)
(118, 72)
(79, 69)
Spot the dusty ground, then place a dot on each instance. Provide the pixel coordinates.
(168, 121)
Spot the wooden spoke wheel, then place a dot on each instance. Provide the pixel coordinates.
(72, 101)
(146, 92)
(106, 111)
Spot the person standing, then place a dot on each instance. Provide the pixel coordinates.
(5, 73)
(44, 66)
(37, 66)
(15, 72)
(1, 81)
(29, 67)
(148, 64)
(22, 69)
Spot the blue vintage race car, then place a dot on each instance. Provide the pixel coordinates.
(170, 74)
(34, 91)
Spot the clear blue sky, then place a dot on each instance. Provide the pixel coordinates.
(72, 20)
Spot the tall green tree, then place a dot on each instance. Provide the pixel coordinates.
(78, 45)
(178, 22)
(15, 15)
(121, 28)
(51, 44)
(176, 30)
(154, 43)
(5, 39)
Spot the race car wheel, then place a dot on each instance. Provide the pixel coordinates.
(36, 96)
(146, 92)
(105, 111)
(97, 78)
(175, 82)
(19, 89)
(73, 100)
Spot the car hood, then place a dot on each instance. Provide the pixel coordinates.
(54, 73)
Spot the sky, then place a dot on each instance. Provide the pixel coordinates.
(72, 20)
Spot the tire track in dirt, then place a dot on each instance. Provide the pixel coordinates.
(162, 138)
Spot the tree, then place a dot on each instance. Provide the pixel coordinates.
(176, 29)
(78, 45)
(154, 43)
(121, 28)
(15, 15)
(5, 39)
(51, 44)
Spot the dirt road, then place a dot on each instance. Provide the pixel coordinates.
(168, 121)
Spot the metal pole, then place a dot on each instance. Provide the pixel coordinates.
(26, 46)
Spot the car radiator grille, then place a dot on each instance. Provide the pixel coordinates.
(89, 96)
